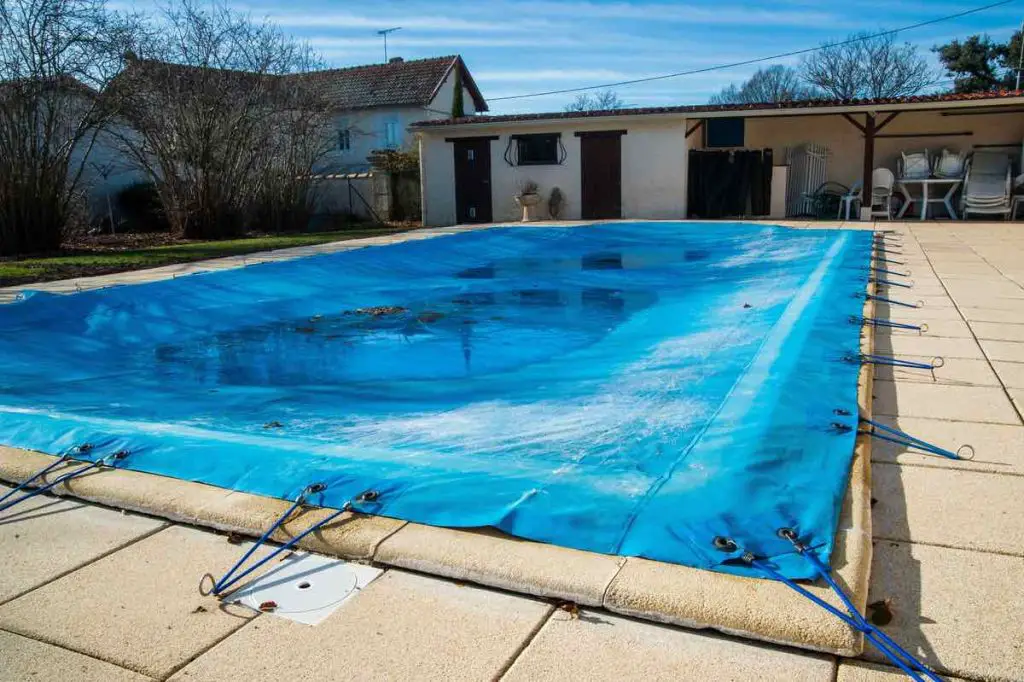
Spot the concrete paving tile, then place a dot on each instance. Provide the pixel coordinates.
(137, 608)
(26, 659)
(858, 671)
(954, 371)
(1010, 373)
(986, 314)
(898, 313)
(1008, 351)
(953, 328)
(988, 288)
(599, 646)
(45, 537)
(998, 448)
(489, 557)
(962, 403)
(928, 345)
(940, 507)
(995, 331)
(402, 627)
(957, 610)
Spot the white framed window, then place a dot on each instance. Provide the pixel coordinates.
(344, 140)
(391, 133)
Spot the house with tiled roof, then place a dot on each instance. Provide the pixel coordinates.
(793, 159)
(376, 103)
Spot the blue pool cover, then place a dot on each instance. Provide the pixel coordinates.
(634, 388)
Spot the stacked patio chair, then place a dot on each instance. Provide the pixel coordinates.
(987, 185)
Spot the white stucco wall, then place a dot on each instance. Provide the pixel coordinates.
(654, 162)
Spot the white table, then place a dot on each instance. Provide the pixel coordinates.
(924, 200)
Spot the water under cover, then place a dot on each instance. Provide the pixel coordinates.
(634, 388)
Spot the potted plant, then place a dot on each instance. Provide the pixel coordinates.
(527, 198)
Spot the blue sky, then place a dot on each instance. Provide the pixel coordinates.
(524, 46)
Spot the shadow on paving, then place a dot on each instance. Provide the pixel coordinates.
(902, 601)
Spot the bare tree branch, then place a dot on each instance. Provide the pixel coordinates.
(871, 66)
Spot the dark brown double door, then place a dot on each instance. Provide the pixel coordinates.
(473, 179)
(601, 174)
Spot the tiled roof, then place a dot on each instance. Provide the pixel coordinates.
(396, 83)
(710, 108)
(400, 83)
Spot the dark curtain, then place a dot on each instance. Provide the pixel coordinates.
(729, 183)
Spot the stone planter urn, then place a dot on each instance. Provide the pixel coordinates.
(527, 201)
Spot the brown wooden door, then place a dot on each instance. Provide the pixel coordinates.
(473, 180)
(601, 170)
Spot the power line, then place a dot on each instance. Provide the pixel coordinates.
(757, 60)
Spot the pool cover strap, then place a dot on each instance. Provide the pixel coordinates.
(899, 656)
(233, 576)
(109, 461)
(888, 433)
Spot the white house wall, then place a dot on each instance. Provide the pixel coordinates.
(366, 127)
(654, 163)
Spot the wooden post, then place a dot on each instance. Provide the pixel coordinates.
(869, 166)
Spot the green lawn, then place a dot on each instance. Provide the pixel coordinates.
(84, 262)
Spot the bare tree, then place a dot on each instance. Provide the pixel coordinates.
(866, 65)
(776, 83)
(55, 56)
(226, 118)
(598, 101)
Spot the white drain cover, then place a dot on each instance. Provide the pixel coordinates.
(306, 587)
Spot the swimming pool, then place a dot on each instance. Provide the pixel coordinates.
(628, 388)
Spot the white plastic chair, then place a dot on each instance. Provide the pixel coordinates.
(847, 200)
(882, 182)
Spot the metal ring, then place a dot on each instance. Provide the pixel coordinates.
(368, 496)
(969, 448)
(724, 544)
(213, 584)
(83, 448)
(924, 327)
(937, 362)
(787, 534)
(920, 303)
(314, 488)
(841, 412)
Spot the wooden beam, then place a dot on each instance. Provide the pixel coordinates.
(886, 122)
(693, 128)
(599, 133)
(869, 161)
(476, 137)
(853, 121)
(982, 112)
(1008, 145)
(959, 133)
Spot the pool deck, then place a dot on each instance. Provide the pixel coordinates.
(93, 593)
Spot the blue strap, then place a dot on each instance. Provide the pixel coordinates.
(872, 297)
(936, 362)
(900, 438)
(877, 322)
(233, 576)
(109, 461)
(895, 273)
(890, 283)
(899, 656)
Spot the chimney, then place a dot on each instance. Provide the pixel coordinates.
(395, 60)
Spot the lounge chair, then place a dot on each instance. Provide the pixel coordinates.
(987, 185)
